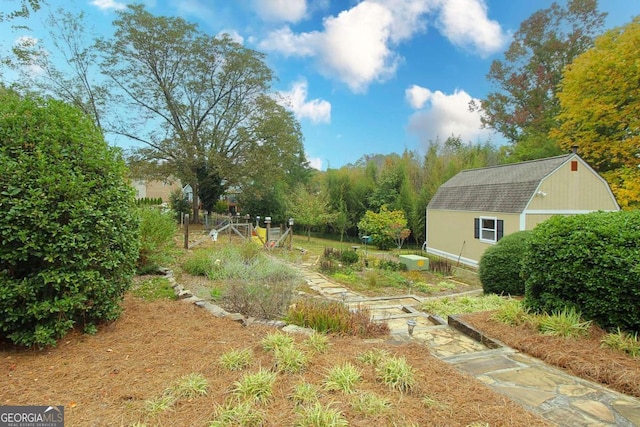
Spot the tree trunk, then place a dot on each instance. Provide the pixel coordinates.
(195, 203)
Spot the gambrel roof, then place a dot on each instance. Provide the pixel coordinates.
(505, 188)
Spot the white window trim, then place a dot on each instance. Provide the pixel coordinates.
(495, 229)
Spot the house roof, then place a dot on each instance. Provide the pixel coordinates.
(504, 188)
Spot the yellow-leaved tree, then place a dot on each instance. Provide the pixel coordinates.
(600, 110)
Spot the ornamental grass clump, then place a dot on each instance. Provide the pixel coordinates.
(304, 393)
(564, 323)
(236, 360)
(291, 360)
(335, 317)
(396, 374)
(343, 378)
(623, 341)
(512, 313)
(275, 340)
(318, 415)
(238, 414)
(368, 403)
(256, 387)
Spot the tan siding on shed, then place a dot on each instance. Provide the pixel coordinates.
(450, 233)
(582, 190)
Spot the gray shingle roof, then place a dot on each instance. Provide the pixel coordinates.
(504, 188)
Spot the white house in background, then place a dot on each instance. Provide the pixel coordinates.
(474, 209)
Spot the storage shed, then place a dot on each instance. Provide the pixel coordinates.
(477, 207)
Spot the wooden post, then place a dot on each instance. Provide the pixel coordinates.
(186, 231)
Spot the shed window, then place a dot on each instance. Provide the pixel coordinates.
(488, 229)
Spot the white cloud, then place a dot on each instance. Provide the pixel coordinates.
(358, 46)
(466, 24)
(353, 47)
(109, 5)
(281, 10)
(444, 115)
(316, 110)
(417, 96)
(315, 162)
(287, 43)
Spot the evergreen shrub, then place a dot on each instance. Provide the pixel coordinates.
(68, 222)
(500, 266)
(587, 262)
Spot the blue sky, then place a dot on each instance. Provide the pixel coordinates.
(362, 77)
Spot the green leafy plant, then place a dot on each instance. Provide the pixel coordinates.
(317, 343)
(68, 222)
(368, 403)
(190, 386)
(446, 306)
(565, 323)
(255, 387)
(186, 387)
(156, 239)
(179, 203)
(343, 378)
(623, 341)
(587, 261)
(238, 414)
(290, 359)
(235, 360)
(500, 266)
(275, 340)
(304, 393)
(396, 374)
(159, 404)
(320, 416)
(512, 312)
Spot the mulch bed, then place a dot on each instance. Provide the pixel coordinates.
(582, 357)
(105, 379)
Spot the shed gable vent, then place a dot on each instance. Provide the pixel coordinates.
(574, 165)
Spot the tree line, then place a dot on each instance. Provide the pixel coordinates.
(201, 108)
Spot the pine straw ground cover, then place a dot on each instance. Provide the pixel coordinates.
(109, 379)
(583, 357)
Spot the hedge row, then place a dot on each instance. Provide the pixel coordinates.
(587, 262)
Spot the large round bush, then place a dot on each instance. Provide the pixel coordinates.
(67, 219)
(500, 266)
(589, 262)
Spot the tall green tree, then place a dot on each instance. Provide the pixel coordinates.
(309, 208)
(524, 105)
(386, 228)
(600, 100)
(196, 100)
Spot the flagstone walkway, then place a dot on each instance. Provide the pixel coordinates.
(557, 396)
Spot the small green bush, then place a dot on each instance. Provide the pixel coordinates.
(156, 239)
(349, 257)
(390, 265)
(179, 203)
(501, 264)
(68, 222)
(587, 262)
